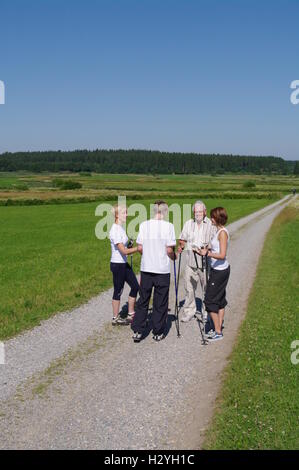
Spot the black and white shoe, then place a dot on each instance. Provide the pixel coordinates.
(119, 321)
(137, 337)
(159, 337)
(210, 334)
(216, 337)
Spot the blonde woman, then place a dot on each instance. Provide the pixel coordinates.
(121, 270)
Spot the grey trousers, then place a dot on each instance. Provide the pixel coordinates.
(194, 278)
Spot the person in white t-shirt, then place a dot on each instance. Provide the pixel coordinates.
(156, 241)
(121, 270)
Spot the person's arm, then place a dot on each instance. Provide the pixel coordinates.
(171, 244)
(223, 246)
(183, 238)
(139, 240)
(126, 251)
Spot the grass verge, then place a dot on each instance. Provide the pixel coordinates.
(258, 406)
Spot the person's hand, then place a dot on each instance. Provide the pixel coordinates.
(180, 249)
(196, 249)
(203, 251)
(130, 243)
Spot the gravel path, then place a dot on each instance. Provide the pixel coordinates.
(76, 382)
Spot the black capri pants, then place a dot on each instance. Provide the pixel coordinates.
(215, 297)
(122, 272)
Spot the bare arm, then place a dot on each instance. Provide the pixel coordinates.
(126, 251)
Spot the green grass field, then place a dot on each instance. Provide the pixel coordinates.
(50, 259)
(258, 406)
(26, 188)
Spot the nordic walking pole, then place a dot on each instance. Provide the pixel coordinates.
(178, 307)
(204, 341)
(130, 244)
(207, 268)
(195, 259)
(179, 270)
(176, 299)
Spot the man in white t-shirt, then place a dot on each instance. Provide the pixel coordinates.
(156, 241)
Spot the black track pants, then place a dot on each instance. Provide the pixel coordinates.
(160, 283)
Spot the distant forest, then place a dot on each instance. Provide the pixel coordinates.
(143, 161)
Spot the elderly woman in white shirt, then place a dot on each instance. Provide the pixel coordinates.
(121, 270)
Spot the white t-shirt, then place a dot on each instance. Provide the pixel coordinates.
(117, 235)
(155, 236)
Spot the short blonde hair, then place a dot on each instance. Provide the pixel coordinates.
(116, 210)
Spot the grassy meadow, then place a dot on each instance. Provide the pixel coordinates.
(50, 258)
(22, 188)
(258, 407)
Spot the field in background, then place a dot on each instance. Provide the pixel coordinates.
(50, 259)
(258, 406)
(25, 188)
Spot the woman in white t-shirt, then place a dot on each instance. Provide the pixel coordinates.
(121, 270)
(215, 296)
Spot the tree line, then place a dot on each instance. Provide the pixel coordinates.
(143, 161)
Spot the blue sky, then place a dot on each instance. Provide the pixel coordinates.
(201, 76)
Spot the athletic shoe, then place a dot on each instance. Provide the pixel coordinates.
(137, 337)
(210, 334)
(119, 321)
(122, 321)
(159, 337)
(216, 337)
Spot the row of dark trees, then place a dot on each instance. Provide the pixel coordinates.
(142, 161)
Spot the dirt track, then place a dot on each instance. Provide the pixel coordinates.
(75, 382)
